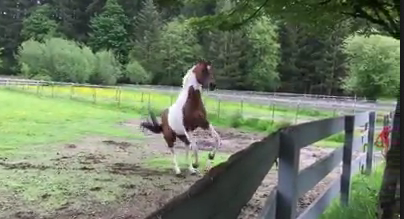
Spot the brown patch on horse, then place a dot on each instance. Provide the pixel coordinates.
(194, 111)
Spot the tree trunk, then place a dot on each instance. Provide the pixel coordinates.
(391, 177)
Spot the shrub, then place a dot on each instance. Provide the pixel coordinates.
(236, 120)
(282, 124)
(135, 72)
(60, 59)
(107, 68)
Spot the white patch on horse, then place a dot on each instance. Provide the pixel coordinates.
(175, 113)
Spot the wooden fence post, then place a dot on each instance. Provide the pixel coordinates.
(370, 144)
(287, 195)
(347, 159)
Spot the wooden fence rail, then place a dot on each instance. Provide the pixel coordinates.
(226, 188)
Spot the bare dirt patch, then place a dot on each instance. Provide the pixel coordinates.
(114, 168)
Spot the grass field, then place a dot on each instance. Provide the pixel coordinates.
(56, 153)
(138, 99)
(363, 203)
(63, 156)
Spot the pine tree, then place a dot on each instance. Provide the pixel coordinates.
(263, 55)
(109, 30)
(287, 69)
(38, 25)
(176, 57)
(228, 52)
(146, 38)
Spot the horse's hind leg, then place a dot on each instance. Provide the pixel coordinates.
(214, 149)
(170, 139)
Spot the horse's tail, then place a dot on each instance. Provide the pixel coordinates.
(153, 126)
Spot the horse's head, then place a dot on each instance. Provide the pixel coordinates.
(204, 74)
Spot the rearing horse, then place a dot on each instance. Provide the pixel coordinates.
(187, 114)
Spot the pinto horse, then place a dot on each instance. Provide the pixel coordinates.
(187, 114)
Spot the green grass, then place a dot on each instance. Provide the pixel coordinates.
(30, 120)
(138, 99)
(363, 202)
(159, 162)
(33, 129)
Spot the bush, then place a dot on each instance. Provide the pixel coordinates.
(135, 72)
(236, 120)
(374, 66)
(60, 59)
(107, 68)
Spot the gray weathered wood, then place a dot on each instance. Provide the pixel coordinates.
(311, 132)
(321, 203)
(370, 144)
(269, 209)
(310, 176)
(347, 159)
(361, 118)
(289, 154)
(227, 187)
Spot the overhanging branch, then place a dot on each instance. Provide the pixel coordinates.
(253, 15)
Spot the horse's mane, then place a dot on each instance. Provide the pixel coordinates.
(186, 77)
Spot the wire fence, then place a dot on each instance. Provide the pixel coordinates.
(218, 105)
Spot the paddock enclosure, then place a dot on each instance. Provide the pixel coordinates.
(132, 177)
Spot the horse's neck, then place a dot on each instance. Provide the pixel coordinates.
(189, 81)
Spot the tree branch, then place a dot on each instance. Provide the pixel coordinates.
(393, 24)
(253, 15)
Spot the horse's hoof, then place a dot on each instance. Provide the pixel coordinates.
(180, 175)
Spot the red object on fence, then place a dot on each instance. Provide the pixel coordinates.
(383, 137)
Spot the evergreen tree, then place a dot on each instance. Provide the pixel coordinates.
(228, 52)
(146, 39)
(177, 57)
(287, 69)
(109, 30)
(38, 25)
(263, 56)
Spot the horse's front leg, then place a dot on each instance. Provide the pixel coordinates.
(215, 148)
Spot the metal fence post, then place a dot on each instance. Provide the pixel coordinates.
(218, 108)
(287, 194)
(297, 112)
(370, 144)
(94, 95)
(347, 159)
(241, 106)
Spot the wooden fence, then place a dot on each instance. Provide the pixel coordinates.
(226, 188)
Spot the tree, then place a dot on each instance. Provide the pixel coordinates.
(12, 14)
(147, 32)
(374, 66)
(107, 68)
(135, 73)
(263, 55)
(60, 59)
(176, 57)
(384, 16)
(38, 25)
(109, 30)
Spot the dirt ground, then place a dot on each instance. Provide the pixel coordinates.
(119, 164)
